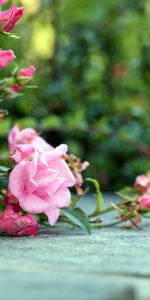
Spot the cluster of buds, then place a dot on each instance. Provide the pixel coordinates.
(77, 167)
(10, 87)
(136, 201)
(130, 211)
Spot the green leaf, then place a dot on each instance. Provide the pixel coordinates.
(128, 193)
(27, 87)
(77, 217)
(5, 166)
(3, 169)
(8, 34)
(3, 183)
(100, 199)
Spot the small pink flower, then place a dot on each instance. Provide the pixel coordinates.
(41, 183)
(6, 56)
(15, 224)
(144, 201)
(142, 182)
(3, 2)
(9, 17)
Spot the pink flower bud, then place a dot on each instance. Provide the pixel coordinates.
(24, 76)
(28, 72)
(16, 88)
(9, 18)
(142, 183)
(6, 56)
(144, 201)
(15, 224)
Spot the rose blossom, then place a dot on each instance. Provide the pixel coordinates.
(6, 56)
(8, 18)
(13, 223)
(144, 201)
(142, 182)
(3, 2)
(40, 183)
(26, 136)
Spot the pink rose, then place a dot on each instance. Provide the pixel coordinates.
(26, 136)
(3, 2)
(142, 182)
(13, 223)
(9, 17)
(6, 56)
(144, 201)
(41, 183)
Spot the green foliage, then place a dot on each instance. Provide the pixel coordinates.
(5, 167)
(93, 74)
(77, 217)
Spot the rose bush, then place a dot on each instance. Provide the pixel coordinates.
(37, 177)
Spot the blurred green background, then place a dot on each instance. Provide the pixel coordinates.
(93, 76)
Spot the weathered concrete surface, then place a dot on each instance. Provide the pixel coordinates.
(65, 263)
